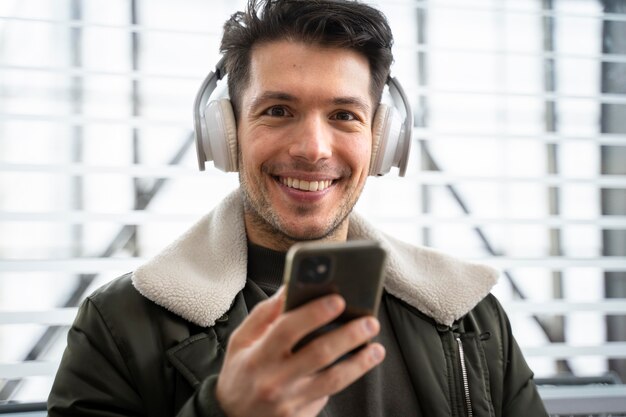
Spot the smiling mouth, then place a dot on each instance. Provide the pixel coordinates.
(304, 185)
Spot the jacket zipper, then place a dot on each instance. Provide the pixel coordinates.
(468, 401)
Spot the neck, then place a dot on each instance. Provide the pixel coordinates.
(265, 267)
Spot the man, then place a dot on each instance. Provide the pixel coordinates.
(193, 332)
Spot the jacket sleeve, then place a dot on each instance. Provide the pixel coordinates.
(520, 396)
(94, 380)
(203, 403)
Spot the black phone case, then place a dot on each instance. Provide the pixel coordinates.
(352, 269)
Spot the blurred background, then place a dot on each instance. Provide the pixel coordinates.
(518, 161)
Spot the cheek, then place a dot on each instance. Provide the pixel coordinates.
(249, 151)
(255, 143)
(361, 152)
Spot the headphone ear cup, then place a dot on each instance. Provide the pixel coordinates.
(221, 134)
(377, 126)
(386, 130)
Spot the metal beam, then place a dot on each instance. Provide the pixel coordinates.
(613, 162)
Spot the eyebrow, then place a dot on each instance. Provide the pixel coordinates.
(271, 95)
(282, 96)
(353, 101)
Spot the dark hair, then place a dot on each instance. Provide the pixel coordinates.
(335, 23)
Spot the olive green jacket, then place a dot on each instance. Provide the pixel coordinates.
(152, 343)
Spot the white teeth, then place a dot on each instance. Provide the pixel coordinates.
(306, 185)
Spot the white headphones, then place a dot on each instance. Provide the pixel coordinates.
(216, 129)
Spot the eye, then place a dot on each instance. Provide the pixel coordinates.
(277, 111)
(344, 116)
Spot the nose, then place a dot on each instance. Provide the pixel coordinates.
(312, 140)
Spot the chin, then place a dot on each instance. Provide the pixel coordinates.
(303, 234)
(311, 232)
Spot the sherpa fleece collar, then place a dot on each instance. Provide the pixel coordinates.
(198, 276)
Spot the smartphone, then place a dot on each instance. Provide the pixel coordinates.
(352, 269)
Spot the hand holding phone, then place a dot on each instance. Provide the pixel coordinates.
(261, 375)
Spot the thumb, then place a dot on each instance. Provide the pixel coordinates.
(260, 319)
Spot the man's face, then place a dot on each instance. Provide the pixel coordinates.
(305, 139)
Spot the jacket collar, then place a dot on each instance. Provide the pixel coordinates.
(198, 276)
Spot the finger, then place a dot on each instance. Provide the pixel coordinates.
(327, 349)
(292, 326)
(339, 376)
(259, 319)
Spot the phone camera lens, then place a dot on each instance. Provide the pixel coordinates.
(315, 270)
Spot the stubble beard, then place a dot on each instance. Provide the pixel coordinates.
(266, 220)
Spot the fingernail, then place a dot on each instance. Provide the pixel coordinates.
(370, 325)
(333, 304)
(377, 353)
